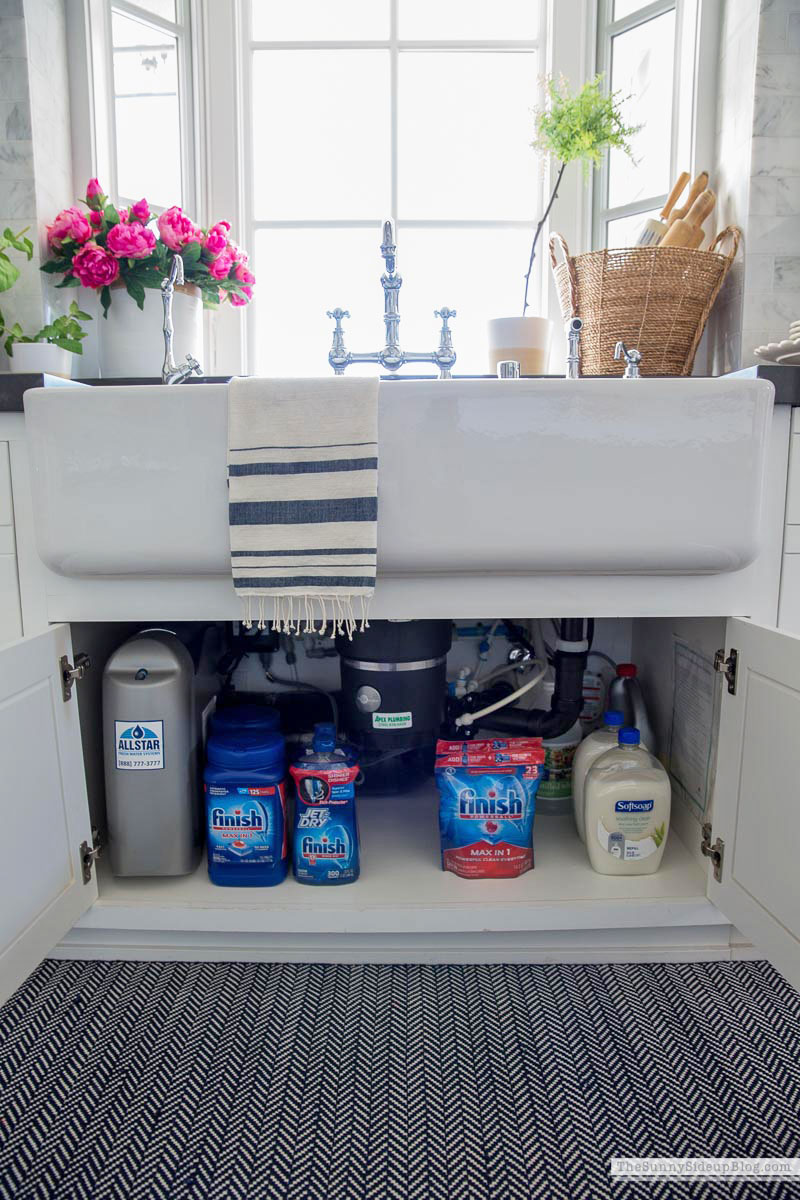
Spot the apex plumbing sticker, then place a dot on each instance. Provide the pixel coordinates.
(401, 720)
(139, 745)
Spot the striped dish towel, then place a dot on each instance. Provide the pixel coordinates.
(303, 500)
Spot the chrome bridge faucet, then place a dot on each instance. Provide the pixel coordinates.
(392, 357)
(171, 372)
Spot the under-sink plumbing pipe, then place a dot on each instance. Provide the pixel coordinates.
(569, 661)
(469, 718)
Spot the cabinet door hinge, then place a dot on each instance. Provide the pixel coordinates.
(716, 852)
(71, 674)
(728, 666)
(89, 856)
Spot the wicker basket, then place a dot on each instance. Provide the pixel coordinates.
(656, 299)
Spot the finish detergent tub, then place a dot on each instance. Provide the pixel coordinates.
(246, 809)
(325, 844)
(487, 799)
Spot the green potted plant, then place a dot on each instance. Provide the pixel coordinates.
(569, 128)
(50, 350)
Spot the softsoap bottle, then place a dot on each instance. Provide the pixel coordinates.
(627, 798)
(590, 749)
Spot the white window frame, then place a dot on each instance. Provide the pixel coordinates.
(693, 112)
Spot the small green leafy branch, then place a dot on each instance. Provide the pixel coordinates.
(65, 332)
(577, 128)
(9, 272)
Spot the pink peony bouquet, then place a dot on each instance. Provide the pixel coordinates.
(105, 245)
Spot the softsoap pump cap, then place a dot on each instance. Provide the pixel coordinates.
(324, 737)
(629, 737)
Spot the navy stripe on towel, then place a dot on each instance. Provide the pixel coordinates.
(307, 446)
(303, 512)
(298, 553)
(304, 468)
(322, 582)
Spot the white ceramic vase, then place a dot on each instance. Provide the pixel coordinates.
(524, 339)
(33, 358)
(131, 340)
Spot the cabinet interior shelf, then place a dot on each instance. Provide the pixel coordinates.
(402, 889)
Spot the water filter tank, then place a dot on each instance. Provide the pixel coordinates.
(151, 749)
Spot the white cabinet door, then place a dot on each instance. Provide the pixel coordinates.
(757, 794)
(44, 813)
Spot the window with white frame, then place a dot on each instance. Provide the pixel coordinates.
(647, 53)
(366, 109)
(149, 85)
(343, 115)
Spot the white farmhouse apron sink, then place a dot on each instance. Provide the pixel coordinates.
(594, 476)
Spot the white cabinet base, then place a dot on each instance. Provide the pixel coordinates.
(698, 943)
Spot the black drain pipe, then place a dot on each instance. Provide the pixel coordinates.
(569, 661)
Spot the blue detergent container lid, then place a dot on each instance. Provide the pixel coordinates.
(246, 749)
(246, 716)
(629, 737)
(324, 737)
(613, 717)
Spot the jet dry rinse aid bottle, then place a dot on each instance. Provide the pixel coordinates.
(325, 847)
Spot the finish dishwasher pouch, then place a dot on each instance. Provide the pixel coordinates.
(487, 800)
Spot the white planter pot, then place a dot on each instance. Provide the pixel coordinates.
(131, 340)
(525, 339)
(33, 357)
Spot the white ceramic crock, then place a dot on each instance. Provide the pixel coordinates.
(35, 357)
(131, 340)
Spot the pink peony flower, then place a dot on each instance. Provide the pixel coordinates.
(96, 218)
(95, 196)
(71, 224)
(221, 266)
(217, 238)
(238, 301)
(94, 266)
(242, 273)
(122, 213)
(141, 211)
(176, 229)
(131, 241)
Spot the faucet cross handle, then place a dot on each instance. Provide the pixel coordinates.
(337, 315)
(445, 314)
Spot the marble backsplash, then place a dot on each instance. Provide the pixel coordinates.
(758, 174)
(17, 185)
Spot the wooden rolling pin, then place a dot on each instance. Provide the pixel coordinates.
(683, 232)
(699, 185)
(654, 228)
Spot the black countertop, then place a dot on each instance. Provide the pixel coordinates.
(13, 386)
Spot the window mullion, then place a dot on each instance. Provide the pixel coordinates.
(394, 65)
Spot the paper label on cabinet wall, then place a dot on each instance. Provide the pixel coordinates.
(692, 731)
(139, 745)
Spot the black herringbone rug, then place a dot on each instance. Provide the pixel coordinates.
(240, 1081)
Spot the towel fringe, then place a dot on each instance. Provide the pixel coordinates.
(295, 614)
